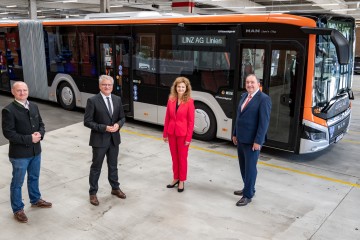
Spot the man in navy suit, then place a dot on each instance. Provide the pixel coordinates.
(104, 115)
(252, 122)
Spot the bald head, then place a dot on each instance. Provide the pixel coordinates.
(20, 91)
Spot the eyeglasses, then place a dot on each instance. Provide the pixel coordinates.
(107, 85)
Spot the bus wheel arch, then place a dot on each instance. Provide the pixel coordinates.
(66, 96)
(205, 122)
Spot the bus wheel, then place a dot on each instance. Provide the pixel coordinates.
(66, 96)
(205, 122)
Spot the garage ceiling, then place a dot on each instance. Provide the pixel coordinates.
(19, 9)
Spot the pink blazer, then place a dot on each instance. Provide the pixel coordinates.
(181, 122)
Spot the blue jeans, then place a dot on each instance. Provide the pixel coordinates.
(20, 166)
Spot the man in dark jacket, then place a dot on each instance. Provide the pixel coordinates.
(104, 115)
(252, 122)
(23, 127)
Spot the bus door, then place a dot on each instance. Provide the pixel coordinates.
(280, 67)
(115, 60)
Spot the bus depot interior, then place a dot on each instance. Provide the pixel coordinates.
(301, 67)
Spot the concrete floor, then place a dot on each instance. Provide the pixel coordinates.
(288, 204)
(307, 197)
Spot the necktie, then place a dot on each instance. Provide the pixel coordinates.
(246, 103)
(109, 105)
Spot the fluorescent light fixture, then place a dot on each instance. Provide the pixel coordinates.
(279, 11)
(74, 15)
(325, 4)
(344, 10)
(11, 6)
(40, 16)
(69, 1)
(117, 6)
(255, 7)
(4, 13)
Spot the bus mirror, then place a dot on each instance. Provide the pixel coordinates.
(341, 43)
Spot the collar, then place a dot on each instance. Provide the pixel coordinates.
(25, 105)
(104, 97)
(252, 95)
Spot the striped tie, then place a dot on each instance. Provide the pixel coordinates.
(246, 103)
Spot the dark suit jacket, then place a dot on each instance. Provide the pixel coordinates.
(18, 124)
(252, 123)
(97, 117)
(181, 122)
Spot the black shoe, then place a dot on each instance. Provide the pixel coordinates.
(243, 201)
(172, 185)
(239, 192)
(181, 189)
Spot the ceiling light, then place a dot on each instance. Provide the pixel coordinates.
(69, 1)
(325, 4)
(11, 6)
(279, 11)
(344, 10)
(255, 7)
(3, 13)
(117, 6)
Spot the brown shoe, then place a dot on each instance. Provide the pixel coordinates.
(42, 204)
(93, 200)
(20, 216)
(118, 193)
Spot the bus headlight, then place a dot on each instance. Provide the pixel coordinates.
(313, 134)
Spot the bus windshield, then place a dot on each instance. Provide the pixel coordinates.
(330, 77)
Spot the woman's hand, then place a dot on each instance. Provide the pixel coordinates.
(187, 143)
(165, 139)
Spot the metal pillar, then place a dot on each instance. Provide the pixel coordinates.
(32, 9)
(104, 6)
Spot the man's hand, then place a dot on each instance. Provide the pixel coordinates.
(36, 137)
(256, 147)
(113, 128)
(234, 139)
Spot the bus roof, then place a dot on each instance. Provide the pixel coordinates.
(174, 18)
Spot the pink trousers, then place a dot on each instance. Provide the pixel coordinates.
(179, 153)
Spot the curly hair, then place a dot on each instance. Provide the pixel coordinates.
(173, 93)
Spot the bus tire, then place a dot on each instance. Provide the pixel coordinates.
(205, 122)
(66, 96)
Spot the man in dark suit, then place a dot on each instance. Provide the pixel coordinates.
(104, 115)
(252, 122)
(22, 125)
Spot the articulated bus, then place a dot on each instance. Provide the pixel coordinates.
(304, 62)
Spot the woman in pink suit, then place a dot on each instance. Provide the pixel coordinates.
(178, 128)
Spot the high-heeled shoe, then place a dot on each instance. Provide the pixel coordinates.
(181, 189)
(172, 185)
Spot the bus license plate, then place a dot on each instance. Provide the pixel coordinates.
(338, 138)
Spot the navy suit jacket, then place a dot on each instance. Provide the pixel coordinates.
(97, 117)
(252, 123)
